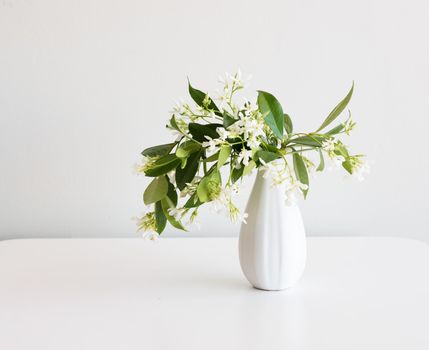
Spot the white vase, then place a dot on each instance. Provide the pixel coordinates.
(272, 245)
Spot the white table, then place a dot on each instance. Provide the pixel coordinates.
(357, 293)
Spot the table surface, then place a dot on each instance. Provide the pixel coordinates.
(356, 293)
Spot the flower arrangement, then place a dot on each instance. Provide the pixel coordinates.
(243, 137)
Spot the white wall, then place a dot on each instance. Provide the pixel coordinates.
(86, 85)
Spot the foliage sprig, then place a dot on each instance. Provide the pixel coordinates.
(241, 138)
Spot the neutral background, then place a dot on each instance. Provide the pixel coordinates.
(86, 85)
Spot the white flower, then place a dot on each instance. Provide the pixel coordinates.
(212, 145)
(150, 235)
(349, 126)
(252, 127)
(224, 203)
(193, 220)
(244, 157)
(177, 213)
(223, 133)
(235, 129)
(242, 218)
(177, 108)
(191, 187)
(360, 169)
(337, 160)
(276, 171)
(237, 77)
(176, 134)
(172, 176)
(293, 188)
(253, 142)
(145, 164)
(147, 222)
(329, 145)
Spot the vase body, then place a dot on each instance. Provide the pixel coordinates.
(272, 245)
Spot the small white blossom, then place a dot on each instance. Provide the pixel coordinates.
(172, 176)
(212, 145)
(147, 222)
(329, 145)
(276, 171)
(223, 133)
(190, 187)
(293, 188)
(177, 213)
(253, 142)
(244, 156)
(348, 128)
(361, 169)
(150, 235)
(145, 164)
(224, 203)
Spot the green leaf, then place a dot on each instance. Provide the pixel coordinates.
(249, 167)
(300, 171)
(348, 166)
(271, 108)
(156, 190)
(163, 165)
(236, 174)
(183, 163)
(173, 123)
(186, 148)
(198, 96)
(288, 124)
(336, 130)
(341, 150)
(207, 185)
(267, 156)
(224, 153)
(167, 204)
(268, 147)
(160, 218)
(200, 131)
(322, 162)
(160, 150)
(313, 141)
(228, 119)
(212, 158)
(187, 174)
(172, 194)
(337, 110)
(192, 202)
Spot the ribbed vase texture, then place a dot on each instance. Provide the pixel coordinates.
(272, 245)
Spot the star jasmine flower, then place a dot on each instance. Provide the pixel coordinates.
(293, 188)
(360, 168)
(337, 160)
(235, 215)
(212, 145)
(206, 101)
(329, 145)
(191, 187)
(253, 142)
(235, 129)
(145, 164)
(244, 156)
(223, 133)
(150, 235)
(276, 171)
(172, 176)
(147, 222)
(177, 213)
(350, 124)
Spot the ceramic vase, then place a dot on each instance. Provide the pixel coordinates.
(272, 245)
